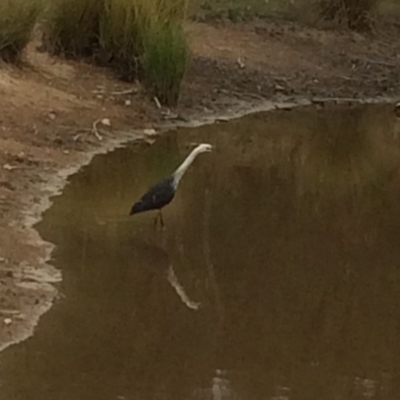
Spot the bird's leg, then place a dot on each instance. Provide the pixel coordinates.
(159, 217)
(156, 220)
(162, 221)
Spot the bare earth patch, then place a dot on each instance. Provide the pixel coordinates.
(48, 109)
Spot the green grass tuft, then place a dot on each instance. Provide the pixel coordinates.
(164, 61)
(138, 39)
(144, 39)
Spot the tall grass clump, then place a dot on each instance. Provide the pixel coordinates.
(138, 39)
(17, 21)
(119, 38)
(164, 52)
(144, 39)
(71, 27)
(164, 61)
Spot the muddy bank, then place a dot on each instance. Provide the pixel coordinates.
(52, 111)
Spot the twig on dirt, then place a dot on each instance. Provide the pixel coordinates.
(9, 167)
(79, 132)
(9, 312)
(95, 130)
(319, 100)
(246, 94)
(379, 62)
(168, 115)
(116, 93)
(158, 104)
(124, 92)
(240, 63)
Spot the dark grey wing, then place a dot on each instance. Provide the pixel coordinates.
(160, 194)
(157, 197)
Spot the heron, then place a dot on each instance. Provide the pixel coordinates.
(162, 193)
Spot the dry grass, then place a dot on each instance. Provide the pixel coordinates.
(141, 39)
(119, 37)
(17, 21)
(71, 27)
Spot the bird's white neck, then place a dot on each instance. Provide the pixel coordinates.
(178, 174)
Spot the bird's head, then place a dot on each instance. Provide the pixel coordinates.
(204, 148)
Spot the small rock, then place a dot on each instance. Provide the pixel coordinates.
(222, 119)
(150, 132)
(52, 116)
(8, 167)
(279, 88)
(21, 155)
(128, 102)
(106, 122)
(7, 321)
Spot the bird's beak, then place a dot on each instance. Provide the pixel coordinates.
(397, 110)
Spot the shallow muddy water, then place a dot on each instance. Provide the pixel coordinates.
(277, 277)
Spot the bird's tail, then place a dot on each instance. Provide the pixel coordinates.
(136, 208)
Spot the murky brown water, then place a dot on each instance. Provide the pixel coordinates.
(278, 276)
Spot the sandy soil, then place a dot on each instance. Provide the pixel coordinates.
(48, 109)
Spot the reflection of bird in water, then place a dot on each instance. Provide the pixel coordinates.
(163, 192)
(157, 259)
(221, 388)
(180, 291)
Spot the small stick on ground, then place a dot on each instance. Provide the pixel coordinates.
(158, 104)
(124, 92)
(95, 130)
(116, 93)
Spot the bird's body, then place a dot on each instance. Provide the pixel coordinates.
(157, 197)
(162, 193)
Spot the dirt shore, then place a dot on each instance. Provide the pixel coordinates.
(50, 106)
